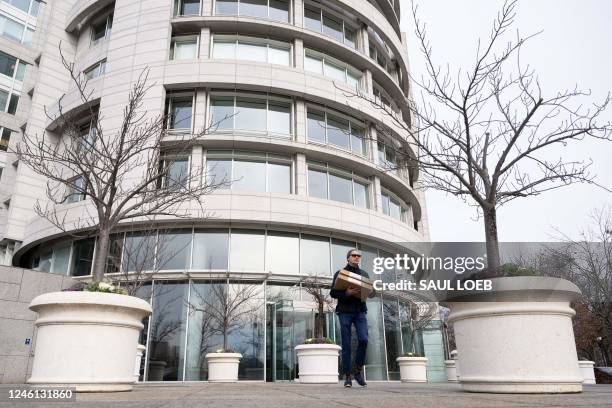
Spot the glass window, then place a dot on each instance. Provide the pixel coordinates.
(249, 175)
(184, 48)
(385, 204)
(224, 49)
(357, 141)
(82, 257)
(334, 71)
(376, 368)
(174, 250)
(189, 7)
(23, 5)
(317, 183)
(28, 36)
(98, 69)
(282, 252)
(61, 258)
(250, 114)
(210, 249)
(394, 209)
(338, 132)
(353, 78)
(313, 64)
(393, 337)
(312, 18)
(74, 190)
(279, 178)
(219, 171)
(4, 141)
(361, 194)
(247, 250)
(139, 252)
(226, 7)
(180, 112)
(7, 64)
(3, 100)
(176, 172)
(21, 67)
(252, 51)
(339, 251)
(115, 251)
(340, 189)
(279, 55)
(315, 255)
(279, 10)
(254, 8)
(101, 29)
(222, 113)
(332, 27)
(279, 118)
(316, 126)
(350, 36)
(11, 29)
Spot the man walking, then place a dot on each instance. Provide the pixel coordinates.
(352, 310)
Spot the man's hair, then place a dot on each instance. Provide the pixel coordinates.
(348, 254)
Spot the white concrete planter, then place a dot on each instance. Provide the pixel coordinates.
(587, 370)
(139, 352)
(413, 369)
(517, 338)
(451, 370)
(318, 363)
(223, 367)
(87, 340)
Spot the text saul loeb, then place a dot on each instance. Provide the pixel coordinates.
(436, 285)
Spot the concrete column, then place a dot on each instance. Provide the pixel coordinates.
(373, 146)
(301, 181)
(205, 50)
(298, 13)
(364, 41)
(368, 83)
(298, 53)
(300, 121)
(200, 122)
(377, 194)
(207, 8)
(197, 163)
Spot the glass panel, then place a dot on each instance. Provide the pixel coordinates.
(190, 7)
(185, 49)
(44, 260)
(210, 249)
(361, 195)
(334, 71)
(385, 204)
(350, 36)
(6, 138)
(61, 258)
(222, 113)
(394, 209)
(251, 51)
(279, 118)
(115, 250)
(332, 27)
(224, 49)
(313, 64)
(249, 175)
(282, 253)
(219, 171)
(357, 142)
(12, 29)
(167, 332)
(339, 251)
(279, 10)
(376, 368)
(255, 8)
(353, 78)
(250, 114)
(317, 183)
(316, 126)
(226, 7)
(139, 252)
(314, 256)
(3, 100)
(312, 18)
(393, 337)
(35, 8)
(82, 257)
(7, 64)
(174, 250)
(367, 260)
(177, 172)
(247, 251)
(280, 56)
(338, 132)
(180, 113)
(279, 178)
(23, 5)
(340, 189)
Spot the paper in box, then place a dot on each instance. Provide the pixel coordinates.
(348, 279)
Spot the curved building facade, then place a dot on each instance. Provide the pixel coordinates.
(311, 176)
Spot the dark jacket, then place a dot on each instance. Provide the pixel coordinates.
(349, 304)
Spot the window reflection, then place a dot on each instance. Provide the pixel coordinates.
(210, 249)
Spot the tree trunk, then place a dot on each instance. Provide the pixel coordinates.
(99, 266)
(490, 223)
(319, 323)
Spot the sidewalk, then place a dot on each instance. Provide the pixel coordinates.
(291, 395)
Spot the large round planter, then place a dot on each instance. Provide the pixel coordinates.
(451, 370)
(223, 367)
(517, 338)
(587, 370)
(413, 369)
(318, 363)
(87, 340)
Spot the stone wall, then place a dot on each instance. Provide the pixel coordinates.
(17, 288)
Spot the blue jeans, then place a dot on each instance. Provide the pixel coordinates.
(359, 319)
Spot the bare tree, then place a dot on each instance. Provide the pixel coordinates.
(487, 133)
(319, 292)
(225, 307)
(420, 312)
(133, 173)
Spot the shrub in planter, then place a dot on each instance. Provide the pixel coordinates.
(223, 365)
(412, 368)
(318, 361)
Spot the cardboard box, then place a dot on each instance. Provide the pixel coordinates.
(348, 279)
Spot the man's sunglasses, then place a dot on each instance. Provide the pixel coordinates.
(357, 255)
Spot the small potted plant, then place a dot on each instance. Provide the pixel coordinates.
(87, 337)
(318, 356)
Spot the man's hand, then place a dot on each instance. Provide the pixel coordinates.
(353, 291)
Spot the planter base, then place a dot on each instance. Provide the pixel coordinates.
(223, 367)
(532, 387)
(116, 386)
(318, 363)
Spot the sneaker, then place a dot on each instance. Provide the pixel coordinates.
(359, 378)
(347, 382)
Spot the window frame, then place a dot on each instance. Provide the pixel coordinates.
(289, 12)
(352, 123)
(237, 38)
(71, 191)
(177, 8)
(314, 54)
(96, 70)
(331, 170)
(406, 211)
(334, 15)
(107, 20)
(170, 97)
(165, 160)
(183, 38)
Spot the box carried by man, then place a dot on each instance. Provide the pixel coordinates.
(348, 279)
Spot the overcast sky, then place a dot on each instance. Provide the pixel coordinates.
(575, 47)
